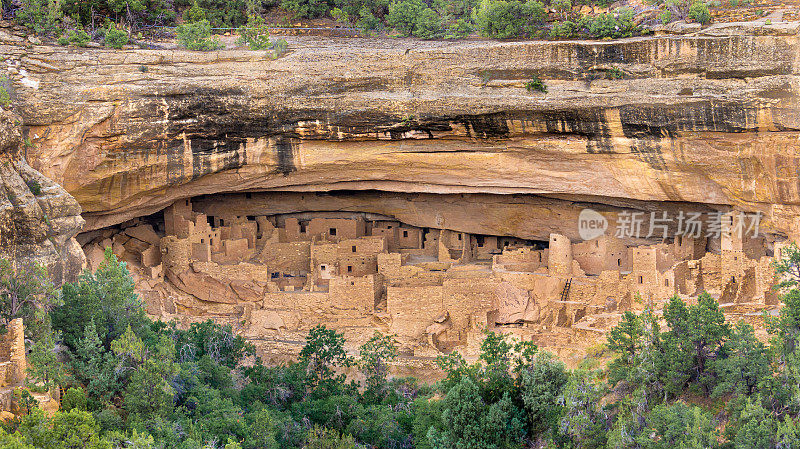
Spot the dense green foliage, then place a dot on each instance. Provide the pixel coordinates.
(609, 25)
(255, 34)
(115, 38)
(535, 84)
(79, 38)
(44, 16)
(78, 22)
(413, 17)
(683, 378)
(197, 36)
(504, 19)
(106, 298)
(699, 12)
(5, 97)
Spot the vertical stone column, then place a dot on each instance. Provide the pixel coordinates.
(467, 248)
(559, 260)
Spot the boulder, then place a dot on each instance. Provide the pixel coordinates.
(145, 233)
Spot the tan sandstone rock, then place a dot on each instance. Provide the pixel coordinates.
(692, 117)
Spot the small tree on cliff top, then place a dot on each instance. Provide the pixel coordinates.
(197, 36)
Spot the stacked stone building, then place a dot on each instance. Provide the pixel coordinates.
(275, 277)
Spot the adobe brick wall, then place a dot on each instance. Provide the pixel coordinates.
(434, 288)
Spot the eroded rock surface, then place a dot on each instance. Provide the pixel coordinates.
(700, 119)
(38, 218)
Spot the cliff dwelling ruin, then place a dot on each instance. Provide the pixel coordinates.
(422, 192)
(275, 275)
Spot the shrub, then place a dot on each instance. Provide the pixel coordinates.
(367, 20)
(562, 7)
(427, 25)
(563, 29)
(365, 14)
(254, 34)
(74, 398)
(306, 8)
(504, 19)
(699, 13)
(536, 84)
(454, 9)
(541, 384)
(340, 16)
(625, 22)
(614, 73)
(108, 419)
(278, 48)
(679, 8)
(194, 14)
(43, 16)
(609, 25)
(665, 17)
(34, 187)
(197, 36)
(5, 98)
(460, 29)
(25, 400)
(602, 25)
(63, 40)
(116, 38)
(79, 38)
(220, 13)
(324, 438)
(403, 15)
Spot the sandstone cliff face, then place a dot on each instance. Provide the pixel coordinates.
(38, 218)
(696, 121)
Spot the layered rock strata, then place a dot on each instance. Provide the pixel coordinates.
(706, 119)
